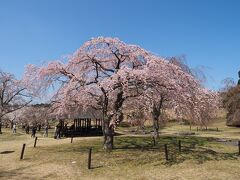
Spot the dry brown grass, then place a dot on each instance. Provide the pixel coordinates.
(202, 157)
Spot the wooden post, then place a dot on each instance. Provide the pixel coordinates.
(90, 123)
(217, 128)
(72, 139)
(197, 128)
(166, 151)
(89, 158)
(154, 141)
(22, 153)
(179, 146)
(79, 124)
(35, 142)
(74, 125)
(85, 124)
(238, 147)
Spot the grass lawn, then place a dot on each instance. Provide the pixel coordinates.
(134, 156)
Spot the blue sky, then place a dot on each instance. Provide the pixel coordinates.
(207, 32)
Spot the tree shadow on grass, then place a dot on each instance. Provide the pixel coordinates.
(148, 143)
(51, 175)
(6, 152)
(198, 154)
(96, 167)
(13, 173)
(192, 149)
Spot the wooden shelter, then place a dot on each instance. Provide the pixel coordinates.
(81, 127)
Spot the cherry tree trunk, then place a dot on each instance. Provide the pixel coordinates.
(108, 133)
(11, 124)
(155, 126)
